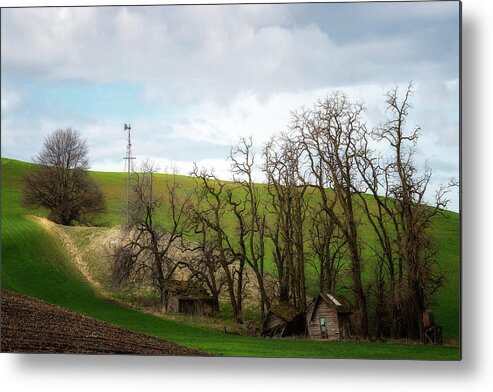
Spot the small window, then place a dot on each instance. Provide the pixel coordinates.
(323, 327)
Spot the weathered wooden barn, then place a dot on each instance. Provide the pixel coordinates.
(328, 317)
(190, 298)
(283, 320)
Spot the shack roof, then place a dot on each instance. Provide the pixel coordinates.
(339, 303)
(284, 310)
(342, 304)
(185, 289)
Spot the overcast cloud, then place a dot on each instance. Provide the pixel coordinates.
(193, 79)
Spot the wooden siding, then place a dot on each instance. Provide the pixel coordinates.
(196, 307)
(191, 306)
(331, 321)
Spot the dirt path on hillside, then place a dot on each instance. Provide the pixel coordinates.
(33, 326)
(70, 247)
(78, 261)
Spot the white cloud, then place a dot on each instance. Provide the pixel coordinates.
(208, 50)
(9, 100)
(213, 74)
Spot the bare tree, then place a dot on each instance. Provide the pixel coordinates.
(151, 251)
(60, 181)
(328, 134)
(376, 178)
(203, 261)
(253, 221)
(288, 204)
(328, 247)
(215, 204)
(414, 243)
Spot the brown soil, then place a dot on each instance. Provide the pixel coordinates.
(29, 325)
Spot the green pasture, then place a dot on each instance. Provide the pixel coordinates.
(33, 263)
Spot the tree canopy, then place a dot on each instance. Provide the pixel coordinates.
(60, 181)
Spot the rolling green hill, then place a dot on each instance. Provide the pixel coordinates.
(34, 263)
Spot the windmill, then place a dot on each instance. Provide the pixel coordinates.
(128, 167)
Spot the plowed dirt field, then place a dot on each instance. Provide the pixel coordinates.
(29, 325)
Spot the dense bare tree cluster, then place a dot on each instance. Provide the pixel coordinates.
(325, 190)
(403, 221)
(150, 250)
(211, 216)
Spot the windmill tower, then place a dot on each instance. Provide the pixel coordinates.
(128, 167)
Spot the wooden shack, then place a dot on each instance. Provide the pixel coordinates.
(328, 317)
(283, 320)
(190, 298)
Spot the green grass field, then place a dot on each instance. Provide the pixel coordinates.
(33, 263)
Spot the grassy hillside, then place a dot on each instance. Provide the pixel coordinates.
(34, 264)
(446, 230)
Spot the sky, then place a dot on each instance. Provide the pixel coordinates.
(193, 80)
